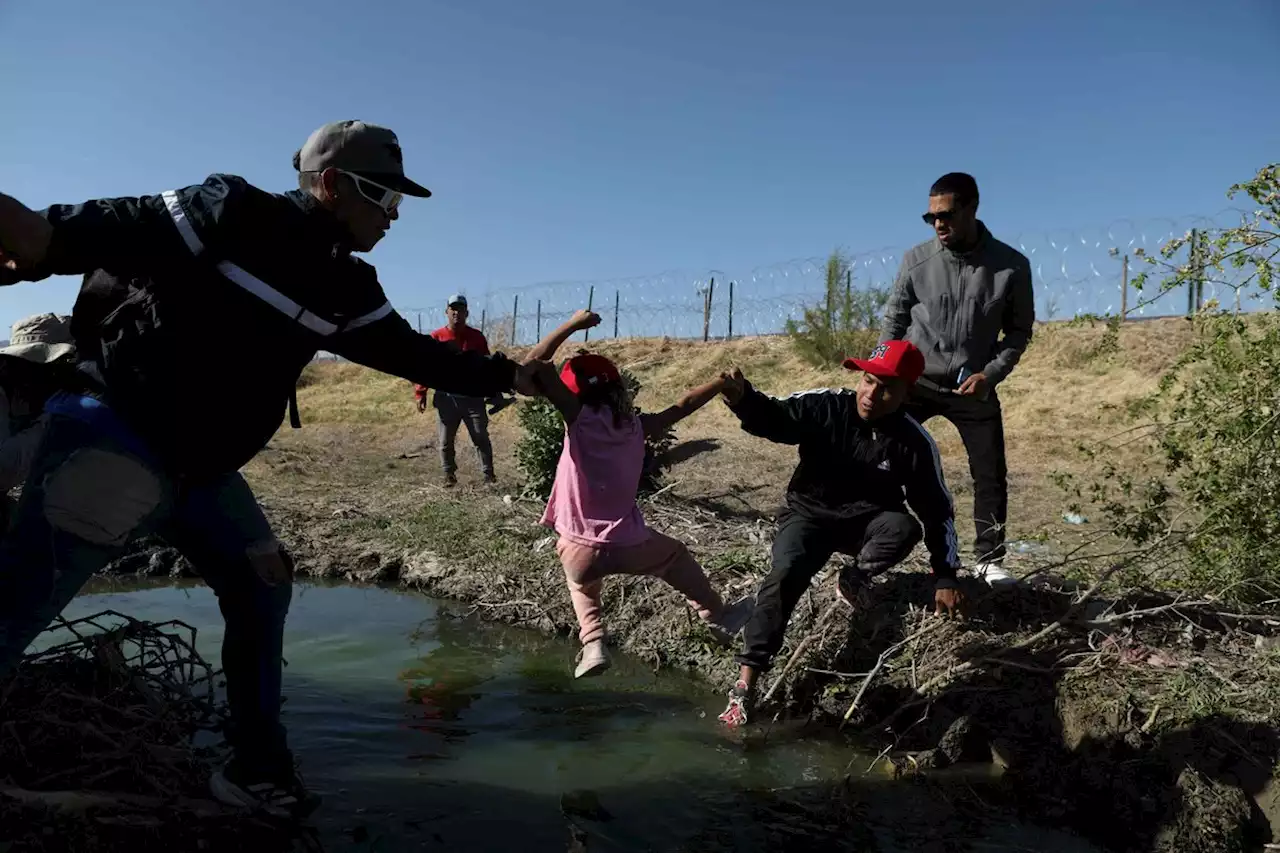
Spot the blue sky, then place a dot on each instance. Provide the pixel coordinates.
(569, 140)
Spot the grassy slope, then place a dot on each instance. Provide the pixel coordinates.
(1061, 394)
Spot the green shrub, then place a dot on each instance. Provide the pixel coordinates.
(845, 324)
(538, 450)
(1211, 509)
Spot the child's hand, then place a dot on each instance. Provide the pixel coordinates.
(733, 386)
(584, 319)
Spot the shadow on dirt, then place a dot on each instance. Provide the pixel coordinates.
(686, 450)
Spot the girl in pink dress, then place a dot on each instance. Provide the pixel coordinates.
(593, 501)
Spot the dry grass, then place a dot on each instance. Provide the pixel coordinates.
(1064, 393)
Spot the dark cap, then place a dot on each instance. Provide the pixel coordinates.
(355, 146)
(891, 360)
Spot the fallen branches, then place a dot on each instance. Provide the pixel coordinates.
(112, 711)
(885, 656)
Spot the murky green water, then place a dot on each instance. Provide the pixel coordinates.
(427, 730)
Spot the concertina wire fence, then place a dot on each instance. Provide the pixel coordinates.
(1076, 273)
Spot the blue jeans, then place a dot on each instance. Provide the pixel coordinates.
(91, 491)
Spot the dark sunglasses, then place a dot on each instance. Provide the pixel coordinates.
(940, 216)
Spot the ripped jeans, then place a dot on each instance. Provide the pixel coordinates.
(93, 490)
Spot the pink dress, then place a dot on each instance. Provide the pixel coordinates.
(593, 508)
(593, 501)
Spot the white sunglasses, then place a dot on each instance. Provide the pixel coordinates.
(384, 197)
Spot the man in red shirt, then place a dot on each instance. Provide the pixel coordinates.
(453, 410)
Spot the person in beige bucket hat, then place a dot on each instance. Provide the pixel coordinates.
(40, 349)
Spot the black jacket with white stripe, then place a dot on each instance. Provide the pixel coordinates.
(201, 307)
(850, 467)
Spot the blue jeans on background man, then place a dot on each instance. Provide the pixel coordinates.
(93, 488)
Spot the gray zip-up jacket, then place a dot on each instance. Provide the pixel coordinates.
(955, 308)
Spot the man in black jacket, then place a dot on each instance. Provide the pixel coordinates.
(236, 289)
(859, 457)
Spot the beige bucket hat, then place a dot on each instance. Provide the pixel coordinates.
(41, 338)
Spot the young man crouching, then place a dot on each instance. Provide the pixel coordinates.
(862, 461)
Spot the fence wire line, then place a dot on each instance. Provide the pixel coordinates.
(1076, 272)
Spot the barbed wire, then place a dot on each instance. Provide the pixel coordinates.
(1076, 272)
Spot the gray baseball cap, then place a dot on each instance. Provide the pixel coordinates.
(456, 299)
(368, 150)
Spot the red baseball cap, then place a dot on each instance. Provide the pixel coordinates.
(891, 360)
(588, 370)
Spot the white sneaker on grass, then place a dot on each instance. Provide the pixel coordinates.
(993, 574)
(595, 659)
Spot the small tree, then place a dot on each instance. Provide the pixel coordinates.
(845, 323)
(1214, 424)
(538, 451)
(1237, 258)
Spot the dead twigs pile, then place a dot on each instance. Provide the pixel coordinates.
(1173, 658)
(96, 745)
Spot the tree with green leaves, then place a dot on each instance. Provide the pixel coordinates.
(845, 323)
(1240, 258)
(1213, 502)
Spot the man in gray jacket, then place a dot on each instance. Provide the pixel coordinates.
(965, 299)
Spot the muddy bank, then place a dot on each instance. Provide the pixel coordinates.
(1139, 725)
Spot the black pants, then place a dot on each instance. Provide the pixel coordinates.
(801, 547)
(981, 428)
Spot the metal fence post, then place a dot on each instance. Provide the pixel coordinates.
(1124, 288)
(706, 310)
(483, 312)
(617, 304)
(591, 298)
(1191, 285)
(539, 324)
(730, 335)
(515, 314)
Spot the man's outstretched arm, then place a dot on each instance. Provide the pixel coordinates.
(785, 421)
(391, 345)
(138, 233)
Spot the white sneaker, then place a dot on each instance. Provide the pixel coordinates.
(994, 574)
(595, 659)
